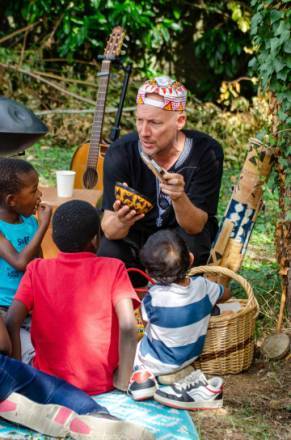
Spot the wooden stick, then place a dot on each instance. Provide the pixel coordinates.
(19, 31)
(23, 49)
(72, 111)
(69, 80)
(38, 78)
(282, 309)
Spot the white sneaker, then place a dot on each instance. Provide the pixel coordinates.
(98, 426)
(169, 379)
(142, 384)
(47, 419)
(59, 421)
(193, 393)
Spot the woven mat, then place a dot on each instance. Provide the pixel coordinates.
(165, 423)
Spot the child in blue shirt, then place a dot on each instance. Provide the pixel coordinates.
(20, 235)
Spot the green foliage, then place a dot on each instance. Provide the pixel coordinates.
(270, 28)
(200, 43)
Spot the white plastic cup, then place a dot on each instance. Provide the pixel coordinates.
(65, 183)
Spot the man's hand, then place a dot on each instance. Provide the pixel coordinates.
(125, 215)
(44, 213)
(173, 185)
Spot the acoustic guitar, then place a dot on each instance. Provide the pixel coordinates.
(88, 160)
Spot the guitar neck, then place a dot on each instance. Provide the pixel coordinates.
(99, 115)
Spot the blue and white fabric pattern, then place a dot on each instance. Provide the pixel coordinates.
(177, 321)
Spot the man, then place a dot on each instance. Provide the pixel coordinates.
(185, 200)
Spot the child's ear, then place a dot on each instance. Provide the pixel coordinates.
(10, 200)
(191, 259)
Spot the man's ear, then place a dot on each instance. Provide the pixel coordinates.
(181, 120)
(191, 259)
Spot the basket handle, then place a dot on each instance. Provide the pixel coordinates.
(144, 274)
(231, 274)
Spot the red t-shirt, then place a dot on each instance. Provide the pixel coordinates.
(74, 327)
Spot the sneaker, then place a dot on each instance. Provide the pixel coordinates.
(47, 419)
(97, 426)
(169, 379)
(193, 393)
(142, 385)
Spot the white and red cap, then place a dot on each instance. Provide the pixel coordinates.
(174, 94)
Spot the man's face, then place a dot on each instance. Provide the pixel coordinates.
(158, 128)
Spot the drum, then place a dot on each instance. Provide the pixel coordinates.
(19, 127)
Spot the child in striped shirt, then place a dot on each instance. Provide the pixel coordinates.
(176, 310)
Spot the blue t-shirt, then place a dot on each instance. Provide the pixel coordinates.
(19, 235)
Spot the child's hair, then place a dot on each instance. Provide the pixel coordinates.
(165, 256)
(75, 224)
(10, 175)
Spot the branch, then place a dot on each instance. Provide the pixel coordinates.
(38, 78)
(19, 31)
(61, 78)
(72, 111)
(23, 48)
(64, 60)
(49, 41)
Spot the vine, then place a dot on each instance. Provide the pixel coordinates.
(270, 29)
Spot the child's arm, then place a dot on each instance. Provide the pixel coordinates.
(225, 296)
(5, 344)
(19, 260)
(17, 313)
(127, 342)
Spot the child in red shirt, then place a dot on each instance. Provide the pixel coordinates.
(83, 327)
(53, 407)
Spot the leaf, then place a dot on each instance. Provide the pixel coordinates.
(283, 27)
(287, 46)
(275, 44)
(275, 15)
(282, 74)
(279, 64)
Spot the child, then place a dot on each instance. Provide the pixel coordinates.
(20, 236)
(177, 311)
(52, 406)
(83, 326)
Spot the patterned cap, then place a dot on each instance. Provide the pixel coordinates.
(173, 93)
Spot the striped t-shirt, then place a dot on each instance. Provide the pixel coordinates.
(177, 321)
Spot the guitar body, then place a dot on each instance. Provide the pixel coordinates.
(79, 164)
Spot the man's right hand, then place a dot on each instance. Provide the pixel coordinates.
(125, 215)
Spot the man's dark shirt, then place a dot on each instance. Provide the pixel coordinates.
(202, 171)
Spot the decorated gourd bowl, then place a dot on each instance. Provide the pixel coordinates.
(132, 198)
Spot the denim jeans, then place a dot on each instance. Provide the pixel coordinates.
(18, 377)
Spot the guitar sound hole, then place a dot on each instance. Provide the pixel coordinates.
(90, 178)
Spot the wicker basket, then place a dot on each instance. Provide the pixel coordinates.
(229, 344)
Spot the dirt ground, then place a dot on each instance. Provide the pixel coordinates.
(257, 405)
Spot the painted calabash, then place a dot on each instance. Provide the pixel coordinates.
(132, 198)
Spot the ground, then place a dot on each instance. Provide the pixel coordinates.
(257, 405)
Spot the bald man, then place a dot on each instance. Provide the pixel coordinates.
(185, 200)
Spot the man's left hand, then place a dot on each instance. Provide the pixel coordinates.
(173, 185)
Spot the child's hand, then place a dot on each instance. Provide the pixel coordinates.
(44, 214)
